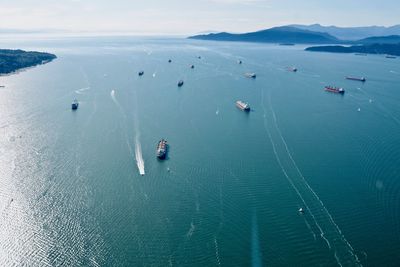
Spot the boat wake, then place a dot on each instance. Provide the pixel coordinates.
(320, 220)
(138, 156)
(138, 147)
(82, 90)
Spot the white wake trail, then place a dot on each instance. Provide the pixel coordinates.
(138, 147)
(138, 156)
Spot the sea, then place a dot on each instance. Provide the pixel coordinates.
(84, 187)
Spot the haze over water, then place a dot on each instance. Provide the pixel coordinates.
(71, 189)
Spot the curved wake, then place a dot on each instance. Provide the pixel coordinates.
(322, 220)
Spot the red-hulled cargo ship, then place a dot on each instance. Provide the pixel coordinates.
(333, 89)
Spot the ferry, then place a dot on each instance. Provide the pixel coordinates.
(141, 73)
(362, 79)
(337, 90)
(161, 151)
(180, 83)
(74, 105)
(292, 69)
(250, 75)
(242, 105)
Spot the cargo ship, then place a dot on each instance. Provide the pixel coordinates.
(141, 73)
(362, 79)
(180, 83)
(250, 75)
(161, 151)
(336, 90)
(75, 105)
(242, 105)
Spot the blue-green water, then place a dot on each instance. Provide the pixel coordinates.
(229, 192)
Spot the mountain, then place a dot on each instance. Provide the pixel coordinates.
(274, 35)
(351, 33)
(13, 60)
(390, 49)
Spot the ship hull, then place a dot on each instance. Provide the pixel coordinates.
(356, 79)
(161, 151)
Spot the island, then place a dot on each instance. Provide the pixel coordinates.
(389, 49)
(14, 60)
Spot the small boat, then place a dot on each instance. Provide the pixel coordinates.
(390, 56)
(250, 75)
(180, 83)
(2, 86)
(332, 89)
(161, 151)
(287, 44)
(192, 66)
(301, 210)
(169, 60)
(242, 105)
(362, 79)
(360, 54)
(292, 69)
(141, 73)
(239, 62)
(199, 57)
(75, 105)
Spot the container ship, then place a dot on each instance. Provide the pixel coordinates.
(362, 79)
(242, 105)
(75, 105)
(336, 90)
(161, 151)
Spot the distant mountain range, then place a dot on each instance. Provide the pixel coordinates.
(351, 33)
(294, 34)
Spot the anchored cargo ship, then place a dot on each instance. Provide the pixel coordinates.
(161, 151)
(332, 89)
(242, 105)
(362, 79)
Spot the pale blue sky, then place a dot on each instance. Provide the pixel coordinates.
(191, 16)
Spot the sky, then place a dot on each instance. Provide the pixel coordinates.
(185, 17)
